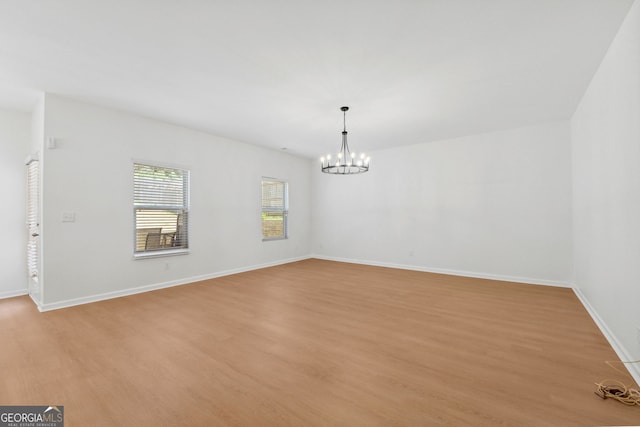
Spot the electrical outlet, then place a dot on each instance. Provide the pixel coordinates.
(68, 216)
(638, 334)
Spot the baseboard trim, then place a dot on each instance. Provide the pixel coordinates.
(147, 288)
(36, 301)
(15, 293)
(463, 273)
(621, 351)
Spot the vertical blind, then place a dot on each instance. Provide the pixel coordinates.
(33, 226)
(274, 209)
(161, 208)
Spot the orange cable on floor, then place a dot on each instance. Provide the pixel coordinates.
(617, 390)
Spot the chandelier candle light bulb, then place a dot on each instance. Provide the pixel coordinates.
(349, 166)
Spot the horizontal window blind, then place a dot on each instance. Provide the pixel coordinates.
(274, 213)
(33, 226)
(161, 208)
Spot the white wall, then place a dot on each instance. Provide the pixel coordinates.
(606, 177)
(14, 147)
(90, 173)
(491, 205)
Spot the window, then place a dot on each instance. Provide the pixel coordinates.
(161, 209)
(33, 226)
(274, 209)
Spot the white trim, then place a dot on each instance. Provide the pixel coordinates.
(36, 302)
(155, 286)
(621, 351)
(463, 273)
(160, 164)
(272, 239)
(15, 293)
(32, 158)
(161, 253)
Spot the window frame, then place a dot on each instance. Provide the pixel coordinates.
(284, 211)
(184, 209)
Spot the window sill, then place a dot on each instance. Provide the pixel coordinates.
(274, 238)
(160, 254)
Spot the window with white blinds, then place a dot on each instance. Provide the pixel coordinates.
(161, 209)
(275, 205)
(33, 226)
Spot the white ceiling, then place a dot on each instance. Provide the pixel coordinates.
(274, 73)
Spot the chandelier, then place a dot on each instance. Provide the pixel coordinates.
(346, 162)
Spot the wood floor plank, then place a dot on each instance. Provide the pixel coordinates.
(315, 343)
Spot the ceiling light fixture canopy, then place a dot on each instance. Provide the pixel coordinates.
(346, 162)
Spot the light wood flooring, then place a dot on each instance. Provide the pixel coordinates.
(315, 343)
